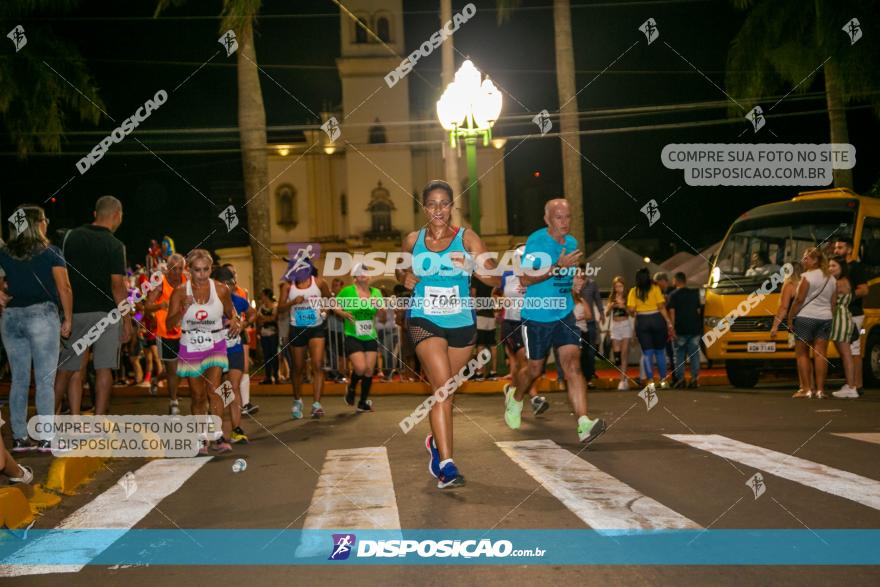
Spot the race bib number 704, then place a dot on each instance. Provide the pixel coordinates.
(441, 301)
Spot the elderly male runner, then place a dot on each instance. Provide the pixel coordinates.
(550, 263)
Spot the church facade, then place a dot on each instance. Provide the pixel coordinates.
(356, 186)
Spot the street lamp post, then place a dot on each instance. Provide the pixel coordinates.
(467, 110)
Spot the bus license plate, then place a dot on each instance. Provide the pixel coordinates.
(761, 347)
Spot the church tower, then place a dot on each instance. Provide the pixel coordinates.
(378, 175)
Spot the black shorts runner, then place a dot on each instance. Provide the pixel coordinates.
(356, 345)
(420, 329)
(169, 348)
(300, 336)
(236, 360)
(486, 338)
(511, 335)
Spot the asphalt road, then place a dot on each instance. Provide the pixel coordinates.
(285, 459)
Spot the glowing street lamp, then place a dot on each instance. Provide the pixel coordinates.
(468, 109)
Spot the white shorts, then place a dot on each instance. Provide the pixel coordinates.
(621, 329)
(485, 323)
(856, 347)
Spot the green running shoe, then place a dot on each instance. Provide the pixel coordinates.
(589, 430)
(512, 408)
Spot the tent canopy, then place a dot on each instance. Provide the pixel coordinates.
(697, 267)
(676, 260)
(612, 259)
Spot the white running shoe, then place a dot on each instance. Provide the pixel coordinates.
(26, 477)
(846, 392)
(623, 385)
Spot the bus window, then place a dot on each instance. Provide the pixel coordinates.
(869, 248)
(758, 246)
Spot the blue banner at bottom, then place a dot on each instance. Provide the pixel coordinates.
(438, 547)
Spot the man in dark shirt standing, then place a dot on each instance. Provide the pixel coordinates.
(590, 294)
(486, 337)
(96, 262)
(859, 281)
(683, 304)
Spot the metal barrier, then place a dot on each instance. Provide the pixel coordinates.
(389, 335)
(389, 349)
(334, 351)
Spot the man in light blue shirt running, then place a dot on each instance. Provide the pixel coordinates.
(550, 263)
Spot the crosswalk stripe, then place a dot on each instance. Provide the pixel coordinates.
(863, 436)
(600, 500)
(355, 491)
(110, 510)
(822, 477)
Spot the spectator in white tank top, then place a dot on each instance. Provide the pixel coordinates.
(810, 317)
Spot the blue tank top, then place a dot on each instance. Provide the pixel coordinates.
(442, 294)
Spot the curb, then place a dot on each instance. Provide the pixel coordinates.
(610, 383)
(43, 500)
(18, 505)
(15, 512)
(68, 473)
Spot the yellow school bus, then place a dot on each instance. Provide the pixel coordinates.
(756, 247)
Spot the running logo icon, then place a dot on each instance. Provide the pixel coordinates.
(19, 221)
(650, 30)
(229, 42)
(128, 483)
(652, 211)
(649, 395)
(756, 117)
(854, 30)
(542, 119)
(331, 127)
(343, 544)
(757, 485)
(229, 218)
(18, 39)
(301, 260)
(225, 393)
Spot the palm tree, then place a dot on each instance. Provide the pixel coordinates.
(569, 125)
(38, 98)
(239, 15)
(784, 44)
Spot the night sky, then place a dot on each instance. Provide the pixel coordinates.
(131, 56)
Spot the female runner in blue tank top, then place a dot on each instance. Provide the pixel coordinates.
(440, 321)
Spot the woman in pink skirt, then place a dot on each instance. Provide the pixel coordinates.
(199, 306)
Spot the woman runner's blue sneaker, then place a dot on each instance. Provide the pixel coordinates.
(449, 477)
(296, 412)
(434, 460)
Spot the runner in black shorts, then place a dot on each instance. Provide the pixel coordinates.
(486, 336)
(308, 328)
(512, 329)
(441, 320)
(358, 305)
